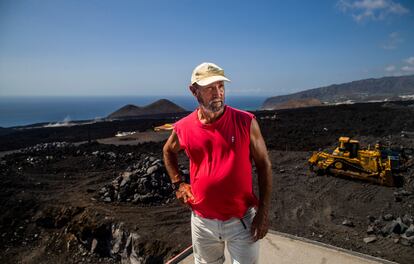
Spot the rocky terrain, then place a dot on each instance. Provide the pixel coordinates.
(66, 202)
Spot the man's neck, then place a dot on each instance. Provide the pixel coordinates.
(208, 117)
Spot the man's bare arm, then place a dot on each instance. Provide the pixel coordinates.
(170, 153)
(261, 159)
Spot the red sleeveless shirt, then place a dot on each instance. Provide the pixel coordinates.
(220, 163)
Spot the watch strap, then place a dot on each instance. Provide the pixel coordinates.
(176, 185)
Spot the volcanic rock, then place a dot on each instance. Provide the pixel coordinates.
(131, 251)
(388, 217)
(406, 241)
(145, 182)
(407, 219)
(393, 227)
(348, 223)
(403, 227)
(410, 231)
(370, 239)
(370, 230)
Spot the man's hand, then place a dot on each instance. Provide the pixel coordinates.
(260, 225)
(184, 193)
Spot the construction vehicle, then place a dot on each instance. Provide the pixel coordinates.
(165, 127)
(348, 160)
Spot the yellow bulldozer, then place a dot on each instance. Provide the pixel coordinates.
(348, 160)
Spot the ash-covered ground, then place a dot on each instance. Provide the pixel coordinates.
(101, 203)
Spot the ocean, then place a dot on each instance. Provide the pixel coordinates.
(19, 111)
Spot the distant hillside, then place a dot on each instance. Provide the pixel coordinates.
(296, 103)
(382, 89)
(162, 106)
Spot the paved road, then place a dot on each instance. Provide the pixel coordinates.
(279, 248)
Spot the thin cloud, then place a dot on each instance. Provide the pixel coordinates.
(410, 60)
(394, 39)
(407, 68)
(390, 68)
(362, 10)
(404, 67)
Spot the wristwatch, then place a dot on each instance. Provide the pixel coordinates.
(176, 185)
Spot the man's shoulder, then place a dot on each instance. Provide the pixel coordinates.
(240, 113)
(186, 120)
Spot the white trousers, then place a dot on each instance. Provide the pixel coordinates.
(211, 235)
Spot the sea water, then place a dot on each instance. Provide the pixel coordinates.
(18, 111)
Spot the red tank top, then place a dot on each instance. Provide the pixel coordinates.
(220, 164)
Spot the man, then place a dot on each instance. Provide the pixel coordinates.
(220, 142)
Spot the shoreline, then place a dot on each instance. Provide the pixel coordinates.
(44, 110)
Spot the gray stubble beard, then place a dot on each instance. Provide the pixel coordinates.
(210, 106)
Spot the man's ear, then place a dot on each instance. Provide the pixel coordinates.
(193, 90)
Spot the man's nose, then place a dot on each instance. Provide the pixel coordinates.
(218, 90)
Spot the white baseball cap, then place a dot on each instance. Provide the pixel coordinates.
(207, 73)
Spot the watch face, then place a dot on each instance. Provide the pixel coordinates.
(176, 185)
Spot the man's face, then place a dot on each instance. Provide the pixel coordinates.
(210, 97)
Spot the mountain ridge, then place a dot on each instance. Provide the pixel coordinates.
(162, 106)
(372, 89)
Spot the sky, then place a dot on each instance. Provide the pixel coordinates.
(139, 48)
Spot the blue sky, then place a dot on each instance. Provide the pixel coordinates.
(103, 47)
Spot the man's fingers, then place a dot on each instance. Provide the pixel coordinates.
(262, 233)
(253, 230)
(258, 233)
(259, 227)
(184, 196)
(180, 197)
(188, 192)
(184, 193)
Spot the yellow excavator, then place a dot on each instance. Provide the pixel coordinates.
(348, 160)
